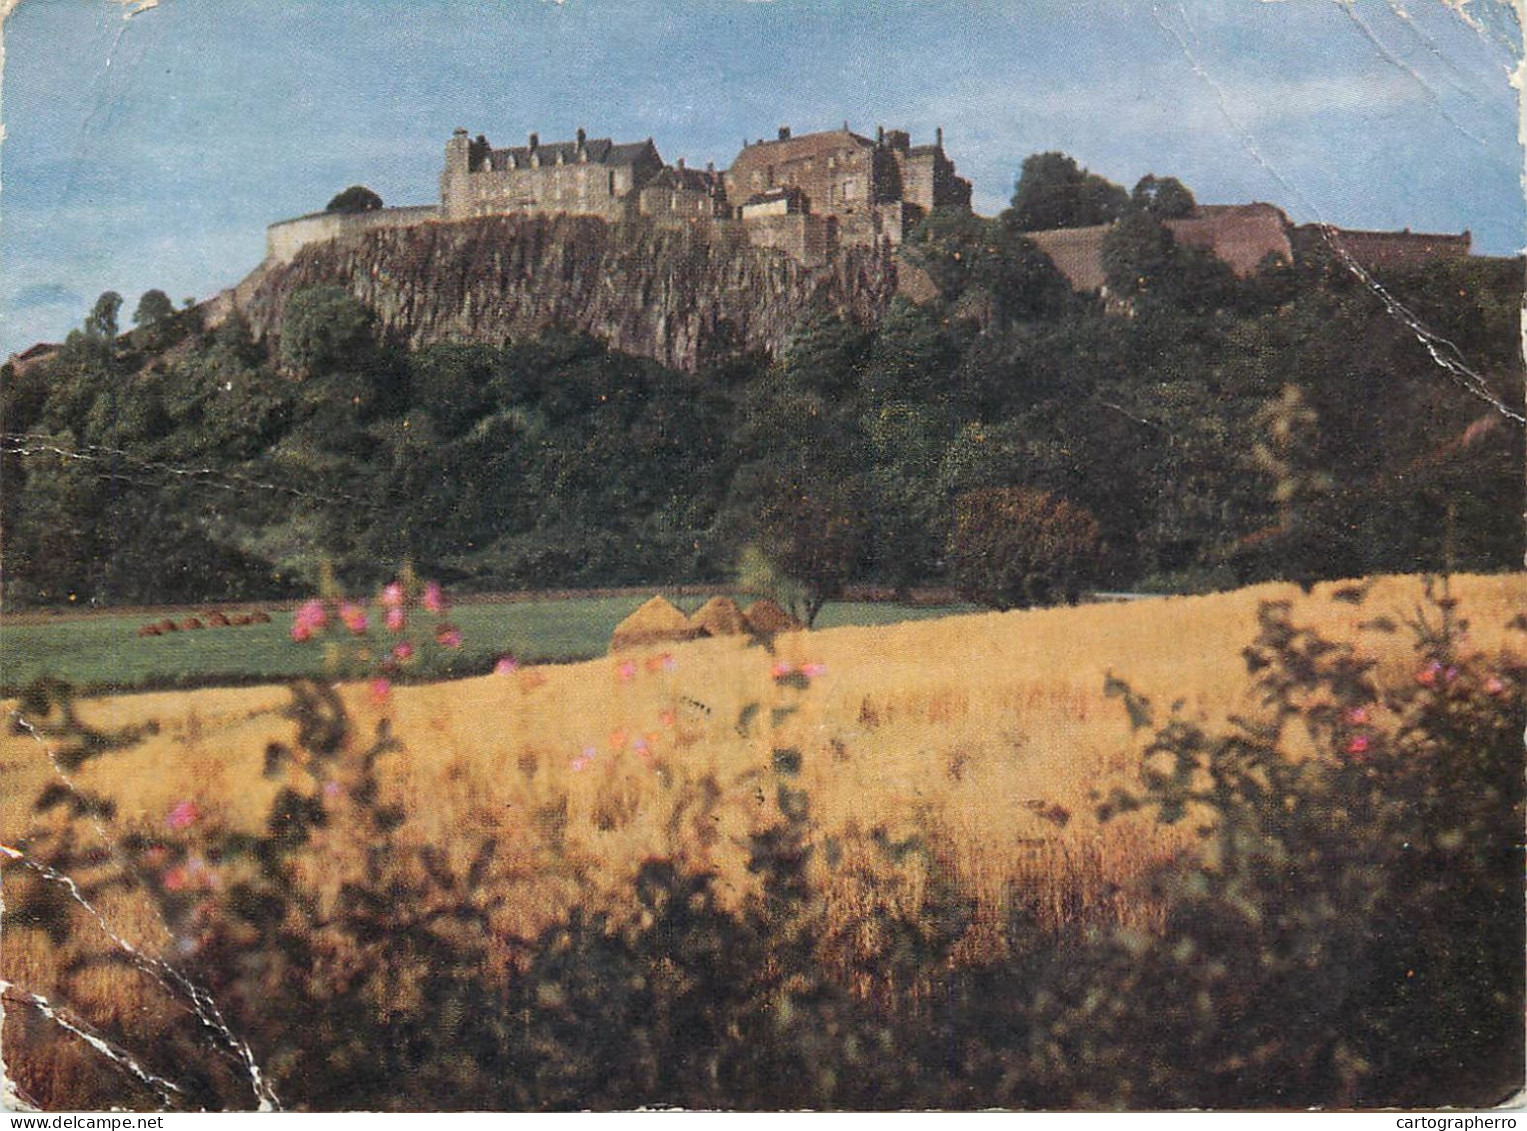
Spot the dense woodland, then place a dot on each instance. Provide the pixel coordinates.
(1010, 437)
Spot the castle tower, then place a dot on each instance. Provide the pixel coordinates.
(455, 189)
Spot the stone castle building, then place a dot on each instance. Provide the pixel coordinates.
(584, 177)
(806, 196)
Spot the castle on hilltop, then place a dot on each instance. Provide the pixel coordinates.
(806, 196)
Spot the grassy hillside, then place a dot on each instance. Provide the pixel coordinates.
(966, 751)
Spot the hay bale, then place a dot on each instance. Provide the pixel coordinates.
(657, 621)
(259, 616)
(720, 616)
(766, 617)
(191, 623)
(150, 630)
(217, 620)
(167, 625)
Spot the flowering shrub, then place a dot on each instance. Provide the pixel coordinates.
(405, 632)
(1354, 934)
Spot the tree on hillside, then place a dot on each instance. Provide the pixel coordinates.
(1053, 191)
(962, 253)
(102, 320)
(154, 318)
(1138, 255)
(153, 308)
(356, 198)
(1144, 263)
(1166, 198)
(324, 329)
(812, 529)
(1013, 547)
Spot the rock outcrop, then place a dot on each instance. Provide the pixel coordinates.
(671, 294)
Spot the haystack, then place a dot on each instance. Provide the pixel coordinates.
(656, 622)
(765, 618)
(720, 616)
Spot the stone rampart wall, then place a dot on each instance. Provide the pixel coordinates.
(284, 240)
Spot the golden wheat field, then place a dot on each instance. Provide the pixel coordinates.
(988, 737)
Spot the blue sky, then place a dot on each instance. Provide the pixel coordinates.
(151, 151)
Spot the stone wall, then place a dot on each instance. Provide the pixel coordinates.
(811, 240)
(1242, 235)
(284, 240)
(1379, 250)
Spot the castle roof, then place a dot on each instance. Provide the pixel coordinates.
(696, 180)
(1077, 254)
(1243, 235)
(599, 151)
(802, 147)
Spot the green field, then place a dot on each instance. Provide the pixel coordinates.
(103, 652)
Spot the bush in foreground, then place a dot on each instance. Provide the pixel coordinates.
(1350, 935)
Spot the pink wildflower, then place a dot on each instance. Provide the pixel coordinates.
(354, 617)
(583, 760)
(782, 669)
(448, 636)
(183, 815)
(626, 671)
(668, 717)
(176, 879)
(618, 739)
(507, 665)
(1428, 675)
(402, 650)
(301, 633)
(395, 619)
(331, 790)
(380, 690)
(812, 671)
(1358, 745)
(392, 596)
(434, 599)
(1493, 686)
(1357, 716)
(313, 614)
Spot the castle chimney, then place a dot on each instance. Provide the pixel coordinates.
(459, 132)
(939, 136)
(879, 135)
(681, 163)
(710, 167)
(784, 133)
(535, 139)
(582, 137)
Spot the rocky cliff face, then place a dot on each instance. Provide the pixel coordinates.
(667, 294)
